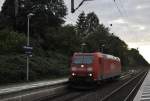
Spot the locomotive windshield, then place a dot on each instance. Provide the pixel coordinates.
(83, 59)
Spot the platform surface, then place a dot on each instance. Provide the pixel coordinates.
(144, 92)
(24, 86)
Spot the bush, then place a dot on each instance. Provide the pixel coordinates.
(13, 67)
(11, 41)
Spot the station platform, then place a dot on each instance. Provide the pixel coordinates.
(144, 92)
(30, 85)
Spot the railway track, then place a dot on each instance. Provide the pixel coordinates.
(126, 92)
(92, 95)
(35, 91)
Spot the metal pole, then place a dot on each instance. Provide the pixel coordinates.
(72, 6)
(102, 49)
(16, 7)
(27, 68)
(82, 47)
(28, 43)
(28, 31)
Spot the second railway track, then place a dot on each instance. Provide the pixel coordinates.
(126, 91)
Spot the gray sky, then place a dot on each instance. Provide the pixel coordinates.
(1, 2)
(132, 25)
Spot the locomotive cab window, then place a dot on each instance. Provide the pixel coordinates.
(83, 59)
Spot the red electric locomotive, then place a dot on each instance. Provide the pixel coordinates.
(93, 67)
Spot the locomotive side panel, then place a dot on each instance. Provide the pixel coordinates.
(115, 68)
(98, 67)
(95, 68)
(101, 68)
(106, 69)
(111, 69)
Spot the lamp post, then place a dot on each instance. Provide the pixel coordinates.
(102, 45)
(82, 47)
(28, 43)
(102, 48)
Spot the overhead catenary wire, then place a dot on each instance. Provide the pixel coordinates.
(122, 12)
(125, 14)
(80, 5)
(123, 8)
(72, 5)
(119, 10)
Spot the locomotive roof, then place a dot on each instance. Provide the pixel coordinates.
(100, 54)
(111, 57)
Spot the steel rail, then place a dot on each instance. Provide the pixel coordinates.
(84, 94)
(116, 90)
(129, 95)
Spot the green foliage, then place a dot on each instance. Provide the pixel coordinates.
(86, 25)
(92, 22)
(135, 59)
(62, 39)
(81, 25)
(11, 41)
(47, 13)
(13, 67)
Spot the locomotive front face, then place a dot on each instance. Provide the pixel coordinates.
(82, 67)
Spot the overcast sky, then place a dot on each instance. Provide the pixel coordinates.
(131, 23)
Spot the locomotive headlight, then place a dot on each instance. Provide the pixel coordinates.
(73, 74)
(82, 66)
(89, 69)
(90, 74)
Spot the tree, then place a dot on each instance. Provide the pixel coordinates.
(54, 10)
(118, 48)
(98, 38)
(63, 39)
(7, 14)
(47, 13)
(92, 22)
(136, 59)
(87, 25)
(11, 42)
(81, 25)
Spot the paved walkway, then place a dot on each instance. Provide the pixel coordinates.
(24, 86)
